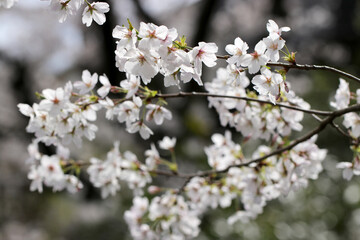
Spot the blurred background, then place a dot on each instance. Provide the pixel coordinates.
(37, 52)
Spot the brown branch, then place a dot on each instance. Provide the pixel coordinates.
(306, 67)
(314, 67)
(205, 94)
(337, 127)
(182, 188)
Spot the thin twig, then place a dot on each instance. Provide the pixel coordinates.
(305, 67)
(182, 188)
(337, 127)
(314, 67)
(205, 94)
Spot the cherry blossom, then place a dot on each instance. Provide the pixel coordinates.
(63, 8)
(127, 37)
(141, 63)
(110, 108)
(352, 120)
(238, 52)
(131, 85)
(140, 126)
(257, 59)
(273, 44)
(152, 157)
(167, 143)
(342, 96)
(268, 84)
(95, 11)
(349, 169)
(118, 167)
(128, 111)
(152, 35)
(205, 53)
(88, 82)
(245, 180)
(273, 28)
(158, 113)
(54, 101)
(105, 89)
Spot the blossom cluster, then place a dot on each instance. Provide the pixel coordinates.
(152, 49)
(267, 84)
(117, 166)
(270, 113)
(254, 119)
(58, 120)
(351, 122)
(254, 183)
(93, 11)
(49, 170)
(169, 215)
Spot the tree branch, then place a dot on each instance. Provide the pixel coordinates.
(337, 127)
(205, 94)
(306, 67)
(314, 67)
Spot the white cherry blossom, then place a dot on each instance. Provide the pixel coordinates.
(63, 9)
(238, 52)
(88, 82)
(167, 143)
(268, 84)
(342, 96)
(349, 169)
(205, 53)
(257, 59)
(158, 113)
(152, 157)
(131, 85)
(105, 89)
(127, 37)
(273, 44)
(141, 63)
(95, 11)
(152, 35)
(352, 121)
(139, 126)
(110, 108)
(128, 111)
(54, 100)
(273, 28)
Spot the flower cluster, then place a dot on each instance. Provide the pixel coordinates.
(251, 118)
(152, 49)
(93, 11)
(254, 183)
(57, 120)
(61, 119)
(351, 122)
(269, 113)
(165, 217)
(49, 170)
(117, 166)
(267, 84)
